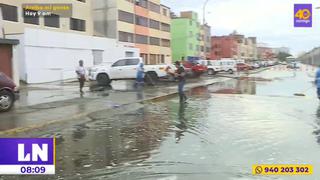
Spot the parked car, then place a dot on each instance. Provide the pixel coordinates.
(8, 93)
(256, 65)
(264, 63)
(213, 66)
(228, 65)
(125, 69)
(271, 63)
(244, 67)
(194, 68)
(293, 65)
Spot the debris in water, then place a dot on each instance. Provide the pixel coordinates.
(299, 94)
(87, 165)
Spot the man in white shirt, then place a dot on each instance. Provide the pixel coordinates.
(81, 72)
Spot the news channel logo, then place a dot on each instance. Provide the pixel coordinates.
(28, 156)
(303, 15)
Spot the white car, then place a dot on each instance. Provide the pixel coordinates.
(125, 68)
(228, 65)
(213, 66)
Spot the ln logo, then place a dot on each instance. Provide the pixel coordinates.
(303, 15)
(37, 152)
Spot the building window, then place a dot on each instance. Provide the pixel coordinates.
(125, 17)
(165, 27)
(142, 21)
(82, 0)
(165, 42)
(198, 37)
(52, 21)
(141, 39)
(190, 22)
(142, 3)
(202, 48)
(154, 41)
(77, 24)
(190, 33)
(153, 59)
(164, 12)
(154, 7)
(190, 46)
(154, 24)
(208, 49)
(125, 37)
(162, 59)
(198, 48)
(9, 13)
(145, 58)
(29, 19)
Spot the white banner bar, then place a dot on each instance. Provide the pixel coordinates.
(27, 169)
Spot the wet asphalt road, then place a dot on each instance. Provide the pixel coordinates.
(220, 133)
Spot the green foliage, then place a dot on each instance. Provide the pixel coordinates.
(282, 56)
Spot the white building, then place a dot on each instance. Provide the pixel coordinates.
(46, 56)
(50, 47)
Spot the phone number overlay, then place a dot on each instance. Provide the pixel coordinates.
(285, 169)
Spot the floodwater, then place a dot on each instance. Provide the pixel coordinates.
(219, 134)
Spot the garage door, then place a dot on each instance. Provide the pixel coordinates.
(6, 59)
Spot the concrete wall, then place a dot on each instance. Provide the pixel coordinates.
(312, 57)
(47, 56)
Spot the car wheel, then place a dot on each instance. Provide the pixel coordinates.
(211, 72)
(103, 80)
(151, 78)
(6, 101)
(230, 71)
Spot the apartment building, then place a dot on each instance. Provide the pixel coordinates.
(15, 23)
(235, 46)
(205, 42)
(144, 24)
(265, 53)
(51, 46)
(186, 36)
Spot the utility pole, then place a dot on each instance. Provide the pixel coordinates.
(204, 11)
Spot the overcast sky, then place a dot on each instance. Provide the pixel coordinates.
(271, 21)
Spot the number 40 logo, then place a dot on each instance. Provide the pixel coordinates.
(303, 15)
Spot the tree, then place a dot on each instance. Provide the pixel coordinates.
(282, 56)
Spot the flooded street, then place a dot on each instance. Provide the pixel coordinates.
(222, 131)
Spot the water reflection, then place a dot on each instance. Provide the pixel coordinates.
(182, 122)
(107, 142)
(242, 86)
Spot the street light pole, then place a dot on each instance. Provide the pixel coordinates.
(204, 11)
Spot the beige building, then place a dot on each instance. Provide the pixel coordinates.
(49, 47)
(15, 23)
(144, 24)
(205, 41)
(246, 47)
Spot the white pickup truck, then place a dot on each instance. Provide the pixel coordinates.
(125, 68)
